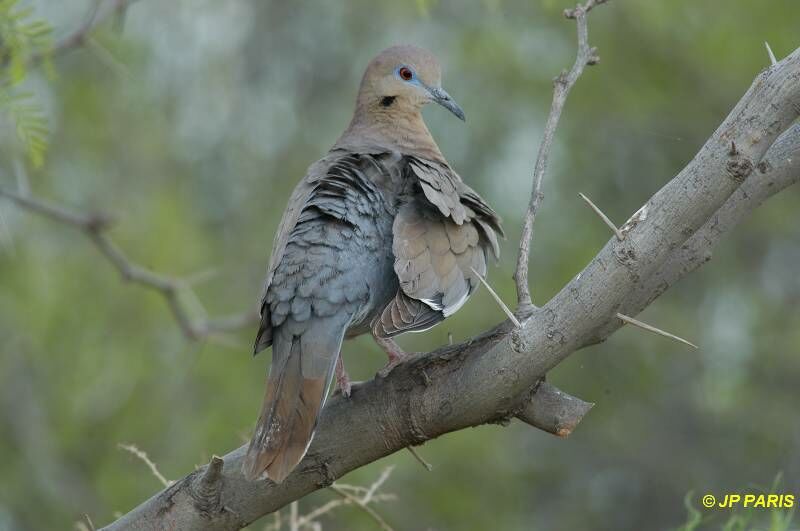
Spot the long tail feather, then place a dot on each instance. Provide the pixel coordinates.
(288, 417)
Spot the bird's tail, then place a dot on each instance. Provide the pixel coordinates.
(296, 390)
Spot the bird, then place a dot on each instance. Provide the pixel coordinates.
(381, 236)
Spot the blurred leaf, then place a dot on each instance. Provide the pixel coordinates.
(694, 516)
(21, 39)
(29, 120)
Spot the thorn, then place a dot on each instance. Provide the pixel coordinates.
(419, 458)
(645, 326)
(213, 472)
(498, 299)
(771, 55)
(605, 219)
(207, 490)
(733, 151)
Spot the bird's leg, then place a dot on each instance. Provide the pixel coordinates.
(392, 349)
(393, 352)
(342, 378)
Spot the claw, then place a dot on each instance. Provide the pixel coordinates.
(384, 372)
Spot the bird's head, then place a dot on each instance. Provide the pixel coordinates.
(405, 78)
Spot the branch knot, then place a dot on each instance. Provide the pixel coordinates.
(207, 489)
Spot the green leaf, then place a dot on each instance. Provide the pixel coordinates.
(29, 121)
(695, 518)
(22, 39)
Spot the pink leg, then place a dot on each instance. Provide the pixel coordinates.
(342, 378)
(393, 351)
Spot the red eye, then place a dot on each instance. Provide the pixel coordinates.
(405, 73)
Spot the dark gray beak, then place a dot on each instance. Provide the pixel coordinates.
(441, 97)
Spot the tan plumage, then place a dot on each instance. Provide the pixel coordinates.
(381, 235)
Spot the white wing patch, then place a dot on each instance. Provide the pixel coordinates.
(447, 311)
(433, 304)
(453, 308)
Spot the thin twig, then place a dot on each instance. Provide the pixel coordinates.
(378, 483)
(293, 523)
(500, 302)
(361, 503)
(419, 458)
(602, 216)
(79, 37)
(653, 329)
(275, 525)
(108, 59)
(309, 518)
(358, 490)
(178, 293)
(772, 58)
(146, 460)
(562, 85)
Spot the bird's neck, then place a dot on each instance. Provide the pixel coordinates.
(396, 126)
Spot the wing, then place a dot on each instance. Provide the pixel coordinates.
(334, 186)
(441, 241)
(297, 202)
(444, 189)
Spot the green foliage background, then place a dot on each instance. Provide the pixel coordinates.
(192, 126)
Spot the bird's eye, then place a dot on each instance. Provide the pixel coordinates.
(405, 73)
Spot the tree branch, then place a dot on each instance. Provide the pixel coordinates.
(491, 378)
(561, 88)
(80, 36)
(553, 410)
(777, 170)
(95, 226)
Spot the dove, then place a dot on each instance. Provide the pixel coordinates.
(381, 236)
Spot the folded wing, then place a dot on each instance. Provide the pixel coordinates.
(442, 237)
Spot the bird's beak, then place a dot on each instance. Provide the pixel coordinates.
(440, 96)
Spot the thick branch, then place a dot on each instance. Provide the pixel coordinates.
(554, 411)
(490, 378)
(561, 88)
(779, 169)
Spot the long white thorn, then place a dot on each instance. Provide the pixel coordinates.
(602, 216)
(653, 329)
(505, 308)
(771, 55)
(419, 458)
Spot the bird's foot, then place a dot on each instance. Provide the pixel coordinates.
(343, 384)
(393, 351)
